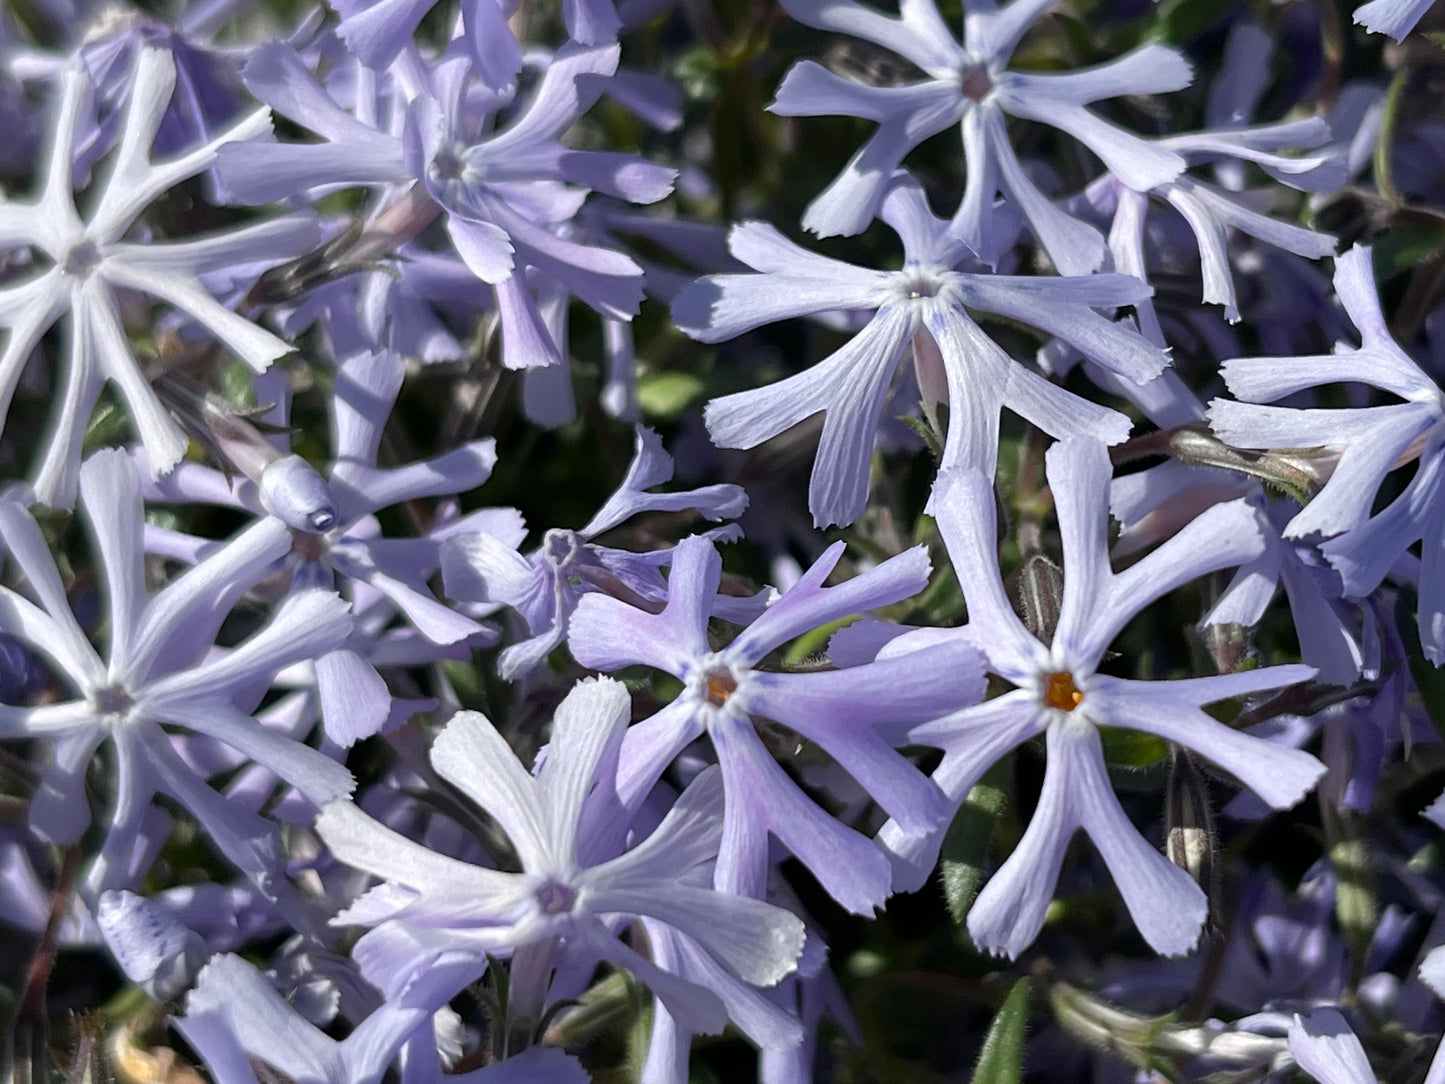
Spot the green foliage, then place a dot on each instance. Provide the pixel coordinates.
(966, 845)
(665, 395)
(1002, 1058)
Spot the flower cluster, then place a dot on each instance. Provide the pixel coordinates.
(421, 659)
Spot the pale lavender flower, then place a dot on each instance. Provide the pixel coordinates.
(326, 532)
(91, 260)
(505, 184)
(234, 1014)
(1326, 1049)
(1213, 213)
(1354, 449)
(432, 907)
(377, 30)
(969, 85)
(160, 671)
(926, 304)
(1154, 503)
(1393, 17)
(1059, 693)
(545, 586)
(752, 1011)
(156, 952)
(851, 714)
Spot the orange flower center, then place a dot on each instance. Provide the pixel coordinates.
(1061, 692)
(720, 685)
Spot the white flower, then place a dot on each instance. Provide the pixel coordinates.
(88, 261)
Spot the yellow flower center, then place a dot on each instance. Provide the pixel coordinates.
(1061, 692)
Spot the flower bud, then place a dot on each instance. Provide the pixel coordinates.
(294, 493)
(1190, 840)
(1041, 595)
(156, 952)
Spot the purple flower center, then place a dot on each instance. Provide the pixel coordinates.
(555, 898)
(561, 548)
(309, 546)
(81, 260)
(920, 285)
(447, 165)
(112, 700)
(1061, 692)
(974, 81)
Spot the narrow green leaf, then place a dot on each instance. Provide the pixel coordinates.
(1002, 1058)
(238, 383)
(1405, 246)
(106, 425)
(1356, 909)
(1176, 21)
(966, 845)
(925, 432)
(667, 394)
(1132, 748)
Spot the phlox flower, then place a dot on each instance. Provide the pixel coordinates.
(159, 676)
(1060, 694)
(545, 586)
(377, 30)
(326, 532)
(851, 714)
(234, 1015)
(924, 303)
(560, 907)
(1325, 1048)
(1355, 448)
(1393, 17)
(496, 172)
(89, 261)
(1152, 504)
(969, 84)
(1214, 211)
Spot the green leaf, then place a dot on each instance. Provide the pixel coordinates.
(1002, 1058)
(237, 383)
(466, 680)
(1132, 748)
(667, 394)
(966, 845)
(1405, 246)
(107, 423)
(1176, 21)
(925, 433)
(1356, 908)
(814, 641)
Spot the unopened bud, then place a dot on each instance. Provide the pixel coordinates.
(231, 433)
(156, 952)
(293, 492)
(1041, 593)
(1190, 840)
(1230, 646)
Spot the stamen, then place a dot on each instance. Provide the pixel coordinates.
(1061, 692)
(720, 685)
